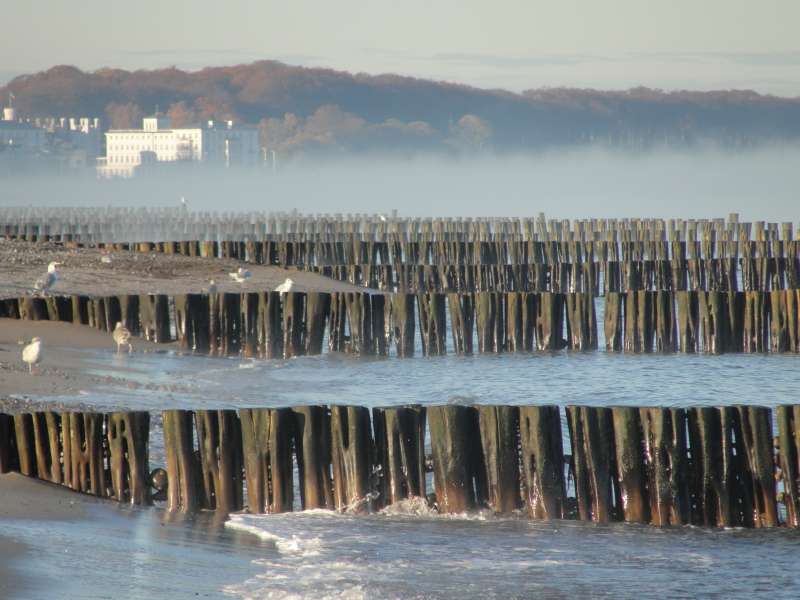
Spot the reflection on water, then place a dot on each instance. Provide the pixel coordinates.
(597, 378)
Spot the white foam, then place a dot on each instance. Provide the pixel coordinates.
(294, 545)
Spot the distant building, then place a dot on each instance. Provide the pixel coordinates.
(47, 142)
(223, 144)
(24, 136)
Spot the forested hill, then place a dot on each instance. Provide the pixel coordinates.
(313, 110)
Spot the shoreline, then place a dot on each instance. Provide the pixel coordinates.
(64, 369)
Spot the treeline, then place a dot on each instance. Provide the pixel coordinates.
(304, 110)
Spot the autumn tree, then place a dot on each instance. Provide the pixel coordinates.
(181, 114)
(124, 116)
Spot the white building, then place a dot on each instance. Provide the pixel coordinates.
(226, 145)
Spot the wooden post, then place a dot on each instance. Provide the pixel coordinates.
(709, 434)
(462, 319)
(453, 430)
(267, 449)
(789, 460)
(630, 463)
(592, 441)
(313, 450)
(665, 451)
(351, 446)
(432, 323)
(293, 324)
(128, 440)
(403, 323)
(270, 324)
(220, 442)
(85, 437)
(183, 469)
(47, 439)
(756, 426)
(399, 435)
(499, 431)
(613, 321)
(9, 461)
(542, 462)
(318, 306)
(26, 446)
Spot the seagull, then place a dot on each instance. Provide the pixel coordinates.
(122, 336)
(184, 206)
(43, 284)
(32, 353)
(382, 218)
(212, 287)
(286, 286)
(240, 275)
(105, 259)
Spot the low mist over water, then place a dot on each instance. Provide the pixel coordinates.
(759, 184)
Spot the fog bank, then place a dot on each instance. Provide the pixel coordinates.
(760, 184)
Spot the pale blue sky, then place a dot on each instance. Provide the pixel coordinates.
(692, 44)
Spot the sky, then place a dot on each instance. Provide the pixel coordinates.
(516, 45)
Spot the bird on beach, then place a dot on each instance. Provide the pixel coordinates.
(240, 275)
(286, 286)
(122, 336)
(184, 206)
(44, 283)
(32, 353)
(212, 286)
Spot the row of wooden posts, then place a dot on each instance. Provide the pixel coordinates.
(663, 466)
(534, 267)
(275, 325)
(124, 224)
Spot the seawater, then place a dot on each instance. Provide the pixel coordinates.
(591, 378)
(320, 554)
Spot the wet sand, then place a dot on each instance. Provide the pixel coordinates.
(56, 543)
(22, 498)
(63, 369)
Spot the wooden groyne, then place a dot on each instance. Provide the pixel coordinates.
(274, 325)
(706, 466)
(596, 256)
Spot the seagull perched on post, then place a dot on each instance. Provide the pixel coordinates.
(286, 286)
(122, 336)
(240, 275)
(43, 284)
(32, 353)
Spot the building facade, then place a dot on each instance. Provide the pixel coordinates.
(157, 142)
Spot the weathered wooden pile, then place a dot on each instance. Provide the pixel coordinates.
(448, 254)
(662, 466)
(273, 325)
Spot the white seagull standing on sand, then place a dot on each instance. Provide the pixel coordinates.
(32, 353)
(240, 275)
(122, 336)
(286, 286)
(43, 284)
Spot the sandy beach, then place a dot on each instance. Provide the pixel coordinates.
(63, 369)
(84, 272)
